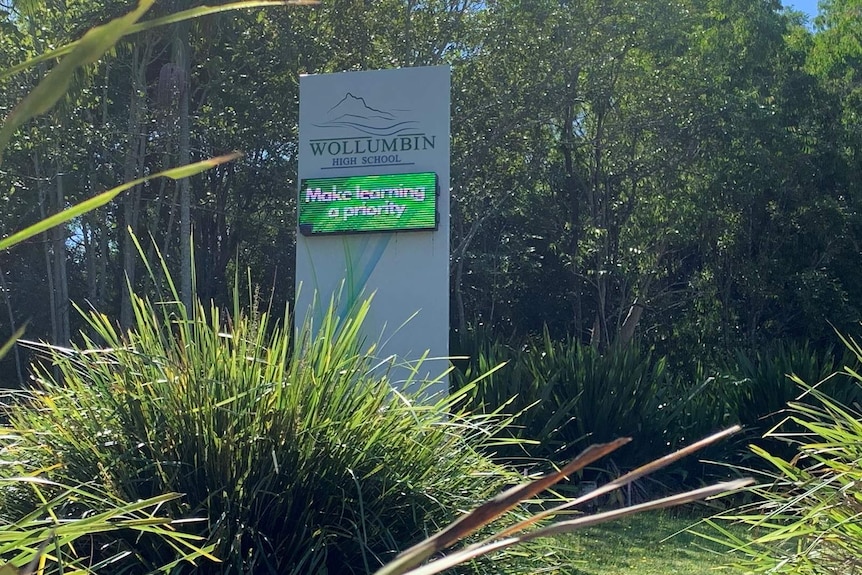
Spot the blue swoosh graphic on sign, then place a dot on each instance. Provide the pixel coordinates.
(357, 280)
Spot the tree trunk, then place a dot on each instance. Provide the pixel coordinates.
(59, 236)
(627, 330)
(131, 168)
(459, 301)
(572, 193)
(46, 249)
(183, 61)
(102, 283)
(12, 326)
(88, 235)
(97, 252)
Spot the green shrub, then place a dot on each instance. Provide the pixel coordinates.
(762, 384)
(807, 519)
(296, 455)
(567, 395)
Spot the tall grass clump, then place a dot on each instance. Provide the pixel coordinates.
(762, 382)
(566, 395)
(807, 519)
(295, 454)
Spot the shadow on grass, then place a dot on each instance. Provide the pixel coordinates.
(647, 544)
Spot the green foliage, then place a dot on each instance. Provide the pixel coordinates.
(295, 454)
(685, 175)
(647, 544)
(95, 202)
(567, 395)
(95, 43)
(701, 199)
(51, 526)
(55, 63)
(761, 383)
(806, 520)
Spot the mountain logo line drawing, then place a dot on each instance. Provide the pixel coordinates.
(352, 112)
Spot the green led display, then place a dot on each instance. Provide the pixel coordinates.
(387, 203)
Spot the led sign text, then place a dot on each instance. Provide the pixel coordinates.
(385, 203)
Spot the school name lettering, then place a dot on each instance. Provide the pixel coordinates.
(353, 146)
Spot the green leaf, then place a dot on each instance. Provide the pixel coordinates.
(105, 197)
(189, 14)
(87, 50)
(7, 346)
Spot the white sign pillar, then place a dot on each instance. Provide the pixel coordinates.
(378, 123)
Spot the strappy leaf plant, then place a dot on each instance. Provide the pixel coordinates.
(48, 528)
(293, 453)
(806, 518)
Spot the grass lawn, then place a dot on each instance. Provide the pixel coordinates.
(646, 545)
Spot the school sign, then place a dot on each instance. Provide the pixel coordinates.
(373, 208)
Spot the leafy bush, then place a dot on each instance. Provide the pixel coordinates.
(297, 455)
(762, 383)
(567, 395)
(808, 517)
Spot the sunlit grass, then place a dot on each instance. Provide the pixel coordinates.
(646, 544)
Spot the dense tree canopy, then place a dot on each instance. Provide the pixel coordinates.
(684, 174)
